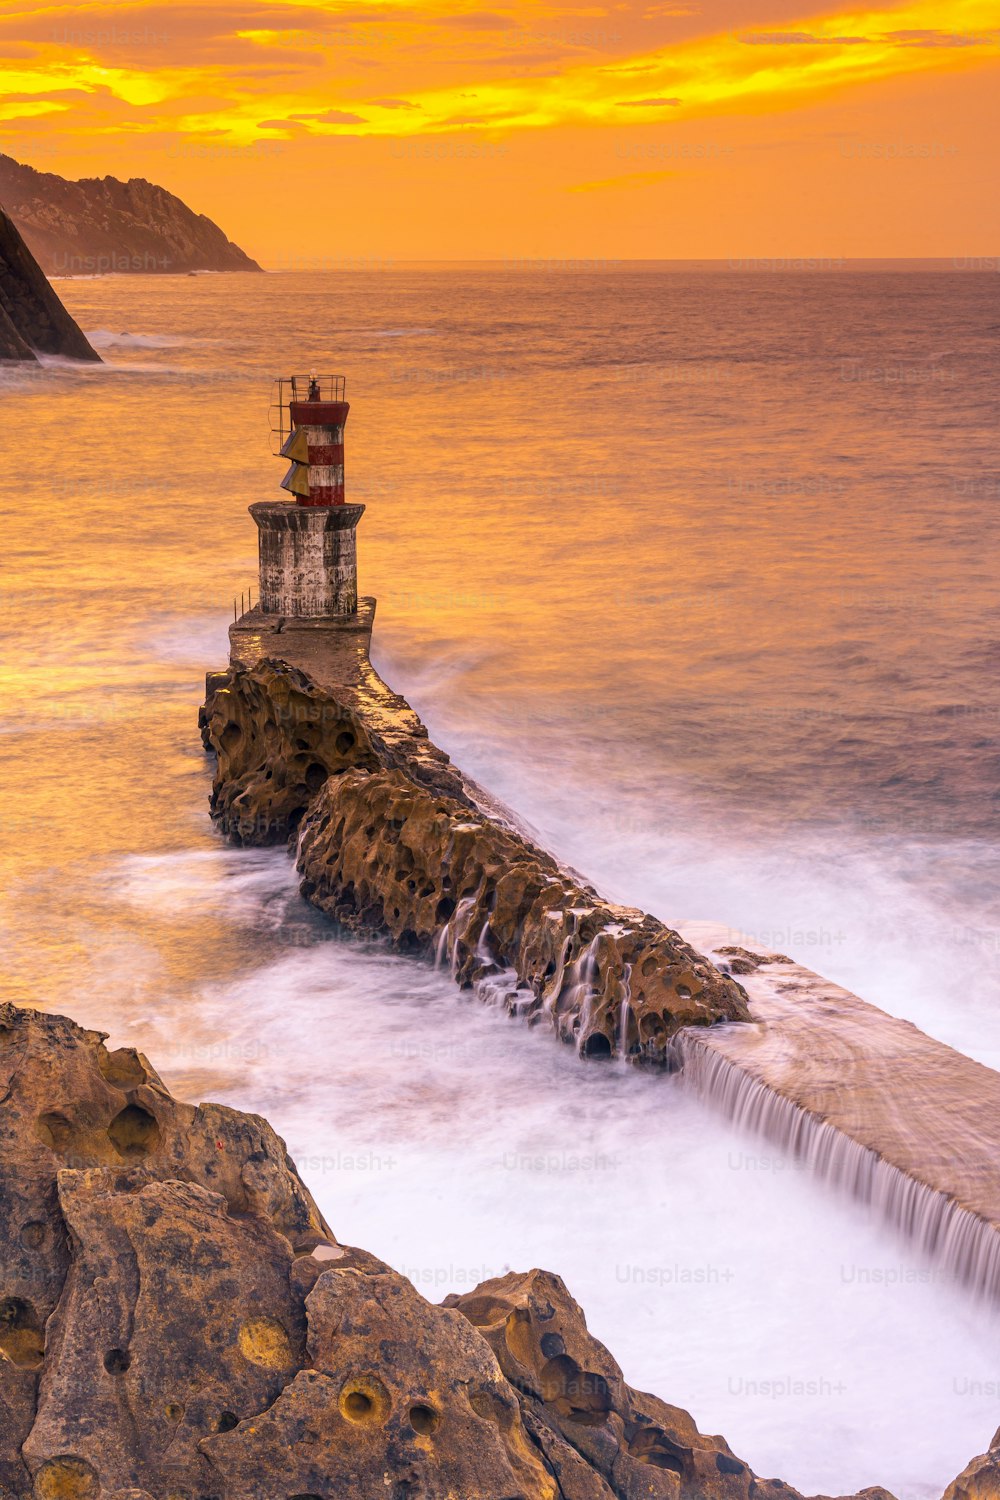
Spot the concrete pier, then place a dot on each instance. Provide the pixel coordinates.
(903, 1122)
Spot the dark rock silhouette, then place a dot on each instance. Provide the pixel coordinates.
(31, 314)
(100, 224)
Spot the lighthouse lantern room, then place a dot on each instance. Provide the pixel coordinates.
(308, 545)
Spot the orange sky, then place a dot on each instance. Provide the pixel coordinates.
(318, 132)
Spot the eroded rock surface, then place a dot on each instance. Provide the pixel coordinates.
(379, 853)
(278, 738)
(980, 1480)
(177, 1322)
(617, 1441)
(390, 841)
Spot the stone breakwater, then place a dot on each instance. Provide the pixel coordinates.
(177, 1320)
(392, 841)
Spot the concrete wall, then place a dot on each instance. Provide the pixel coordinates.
(308, 558)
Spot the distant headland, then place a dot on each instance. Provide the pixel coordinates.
(100, 225)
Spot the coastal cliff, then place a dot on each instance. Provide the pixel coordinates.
(392, 841)
(100, 224)
(32, 318)
(176, 1318)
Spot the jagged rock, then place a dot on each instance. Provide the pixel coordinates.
(381, 854)
(178, 1323)
(573, 1394)
(100, 224)
(390, 841)
(31, 315)
(398, 1398)
(278, 738)
(980, 1480)
(195, 1324)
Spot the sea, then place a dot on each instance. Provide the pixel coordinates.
(695, 566)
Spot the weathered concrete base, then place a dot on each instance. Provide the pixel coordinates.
(308, 558)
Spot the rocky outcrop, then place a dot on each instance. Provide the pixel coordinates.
(390, 842)
(980, 1480)
(278, 737)
(31, 315)
(603, 1438)
(176, 1319)
(100, 224)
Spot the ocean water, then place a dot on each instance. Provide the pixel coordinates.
(696, 569)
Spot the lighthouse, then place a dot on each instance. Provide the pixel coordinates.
(307, 611)
(308, 544)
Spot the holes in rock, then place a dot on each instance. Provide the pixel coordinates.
(519, 1337)
(423, 1418)
(134, 1133)
(54, 1131)
(552, 1344)
(117, 1361)
(684, 991)
(33, 1234)
(445, 909)
(173, 1411)
(727, 1465)
(482, 1311)
(305, 1497)
(230, 737)
(648, 965)
(364, 1400)
(489, 1406)
(264, 1342)
(316, 775)
(408, 942)
(345, 742)
(22, 1340)
(66, 1478)
(653, 1447)
(122, 1068)
(227, 1421)
(597, 1045)
(579, 1395)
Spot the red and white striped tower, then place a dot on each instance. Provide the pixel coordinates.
(308, 549)
(316, 447)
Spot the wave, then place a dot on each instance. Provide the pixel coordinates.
(106, 338)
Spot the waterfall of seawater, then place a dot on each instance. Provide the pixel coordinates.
(966, 1246)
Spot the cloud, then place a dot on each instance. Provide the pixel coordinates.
(645, 103)
(798, 39)
(334, 117)
(480, 22)
(942, 38)
(392, 104)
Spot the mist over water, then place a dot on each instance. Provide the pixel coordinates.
(696, 572)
